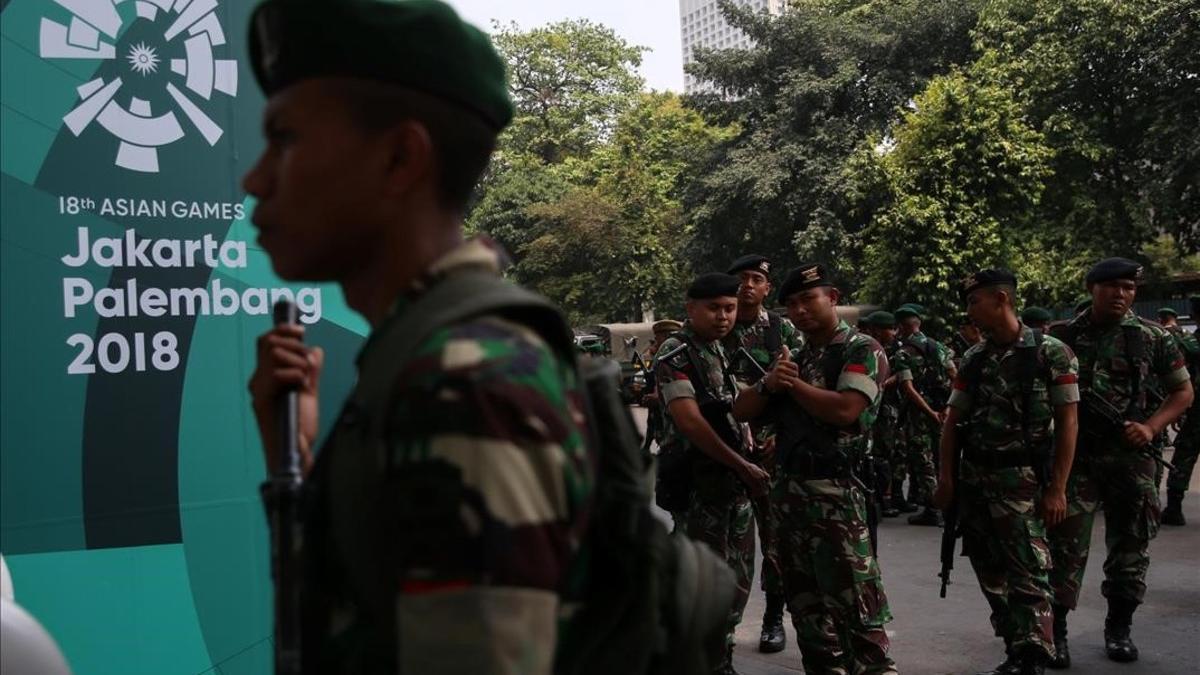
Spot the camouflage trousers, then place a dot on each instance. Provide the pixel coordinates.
(1123, 482)
(921, 436)
(1005, 539)
(832, 580)
(727, 526)
(1187, 449)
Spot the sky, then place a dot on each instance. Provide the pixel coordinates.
(646, 23)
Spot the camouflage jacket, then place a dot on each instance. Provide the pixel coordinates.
(752, 336)
(991, 405)
(1104, 368)
(864, 368)
(1189, 346)
(912, 362)
(465, 508)
(889, 405)
(678, 378)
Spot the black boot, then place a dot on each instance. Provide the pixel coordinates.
(1031, 661)
(1117, 642)
(1010, 665)
(1062, 653)
(726, 667)
(1173, 514)
(773, 638)
(930, 517)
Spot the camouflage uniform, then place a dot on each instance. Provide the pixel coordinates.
(832, 579)
(920, 433)
(719, 511)
(1106, 470)
(752, 336)
(1187, 441)
(999, 492)
(460, 513)
(888, 440)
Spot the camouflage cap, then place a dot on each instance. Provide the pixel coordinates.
(881, 319)
(420, 44)
(1111, 269)
(1036, 315)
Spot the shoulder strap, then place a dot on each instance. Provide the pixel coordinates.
(462, 296)
(699, 382)
(1135, 354)
(774, 337)
(1027, 372)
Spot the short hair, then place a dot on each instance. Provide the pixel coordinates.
(1005, 288)
(463, 142)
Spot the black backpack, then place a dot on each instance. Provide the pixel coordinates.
(654, 602)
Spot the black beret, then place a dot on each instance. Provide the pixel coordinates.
(881, 319)
(419, 44)
(714, 285)
(1036, 315)
(1110, 269)
(985, 278)
(804, 277)
(752, 262)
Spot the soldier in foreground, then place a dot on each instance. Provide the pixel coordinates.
(757, 337)
(442, 540)
(924, 370)
(824, 398)
(713, 477)
(1187, 441)
(1115, 464)
(1009, 391)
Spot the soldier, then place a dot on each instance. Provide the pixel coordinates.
(757, 336)
(1037, 318)
(1169, 319)
(720, 479)
(824, 398)
(966, 336)
(1187, 441)
(441, 540)
(1118, 354)
(654, 411)
(886, 444)
(924, 370)
(1011, 390)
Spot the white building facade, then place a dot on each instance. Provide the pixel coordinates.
(701, 24)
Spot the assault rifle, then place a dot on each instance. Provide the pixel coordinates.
(951, 529)
(281, 496)
(1104, 420)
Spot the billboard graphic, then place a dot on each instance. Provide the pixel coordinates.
(131, 291)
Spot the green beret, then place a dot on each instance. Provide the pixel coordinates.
(881, 319)
(804, 277)
(910, 309)
(1111, 269)
(986, 278)
(753, 262)
(1036, 315)
(714, 285)
(419, 44)
(1167, 311)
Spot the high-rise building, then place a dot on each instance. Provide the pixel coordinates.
(701, 24)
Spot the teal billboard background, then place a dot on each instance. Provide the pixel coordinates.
(129, 460)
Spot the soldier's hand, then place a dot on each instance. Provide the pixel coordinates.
(1054, 506)
(758, 480)
(1138, 434)
(284, 362)
(943, 496)
(785, 373)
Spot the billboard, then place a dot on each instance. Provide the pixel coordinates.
(131, 291)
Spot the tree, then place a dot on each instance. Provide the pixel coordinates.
(964, 173)
(822, 78)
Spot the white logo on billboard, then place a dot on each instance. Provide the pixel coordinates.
(91, 34)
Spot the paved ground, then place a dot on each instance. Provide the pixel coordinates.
(932, 636)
